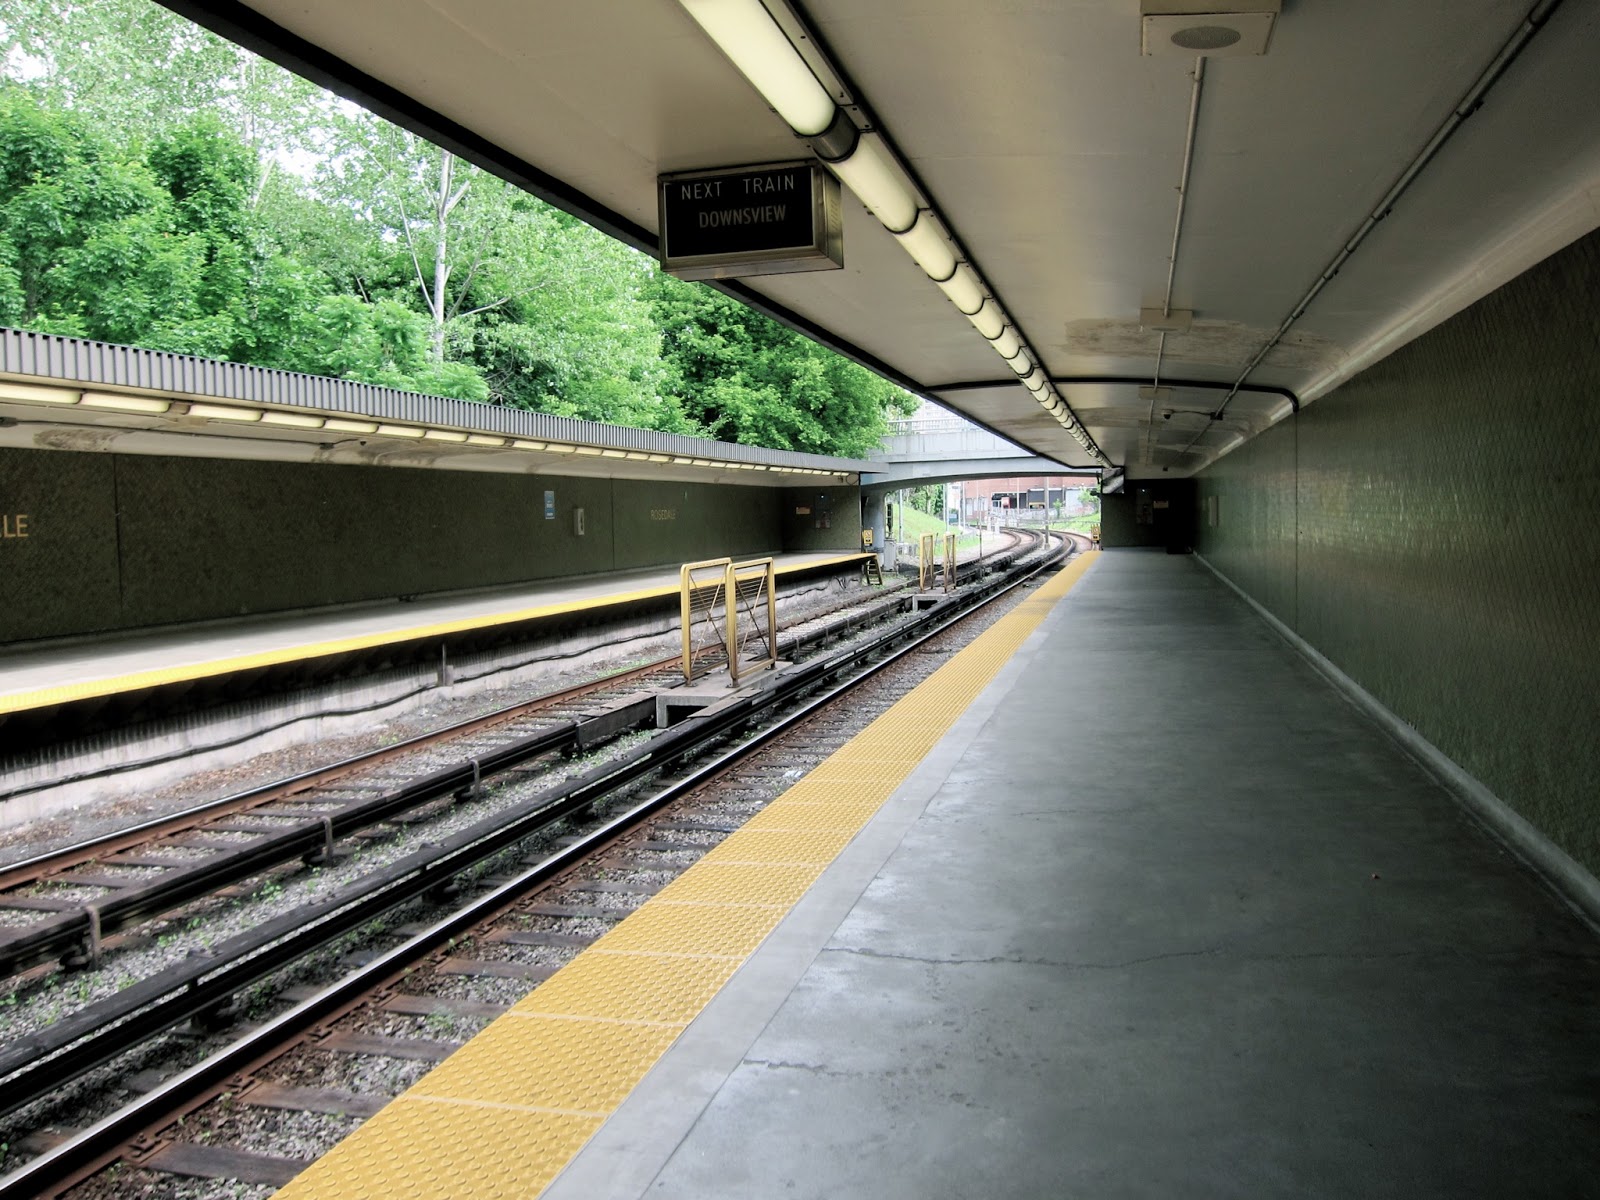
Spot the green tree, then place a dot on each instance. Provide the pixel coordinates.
(98, 243)
(134, 65)
(152, 192)
(928, 498)
(744, 378)
(549, 310)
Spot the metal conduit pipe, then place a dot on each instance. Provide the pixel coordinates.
(1538, 16)
(1198, 75)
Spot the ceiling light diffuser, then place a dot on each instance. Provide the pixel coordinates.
(30, 394)
(925, 242)
(876, 181)
(133, 404)
(749, 36)
(988, 320)
(287, 419)
(964, 290)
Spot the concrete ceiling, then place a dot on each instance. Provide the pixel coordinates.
(1054, 151)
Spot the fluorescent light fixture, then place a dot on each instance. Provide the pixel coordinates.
(964, 290)
(1038, 379)
(750, 37)
(444, 435)
(344, 426)
(591, 451)
(614, 453)
(926, 244)
(876, 181)
(988, 321)
(703, 462)
(1008, 344)
(224, 412)
(483, 439)
(684, 462)
(635, 455)
(558, 448)
(133, 404)
(287, 419)
(521, 444)
(660, 458)
(399, 431)
(1021, 364)
(28, 393)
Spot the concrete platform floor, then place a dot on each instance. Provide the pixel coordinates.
(1163, 916)
(54, 672)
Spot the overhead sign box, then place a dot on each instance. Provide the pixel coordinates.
(770, 219)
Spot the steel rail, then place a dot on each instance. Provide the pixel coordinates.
(30, 870)
(34, 1065)
(102, 1143)
(50, 939)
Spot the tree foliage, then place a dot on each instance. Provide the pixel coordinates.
(163, 188)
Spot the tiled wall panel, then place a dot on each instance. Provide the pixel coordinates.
(1433, 527)
(112, 541)
(1247, 518)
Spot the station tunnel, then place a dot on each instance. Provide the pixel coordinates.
(1259, 856)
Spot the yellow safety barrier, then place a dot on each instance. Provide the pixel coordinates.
(711, 596)
(931, 563)
(925, 562)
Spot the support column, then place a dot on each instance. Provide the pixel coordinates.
(872, 518)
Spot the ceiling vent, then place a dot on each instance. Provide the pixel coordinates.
(1215, 28)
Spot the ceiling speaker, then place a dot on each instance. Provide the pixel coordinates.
(1215, 28)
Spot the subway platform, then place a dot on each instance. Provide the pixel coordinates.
(1153, 911)
(63, 672)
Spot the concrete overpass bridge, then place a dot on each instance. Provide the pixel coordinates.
(926, 450)
(941, 449)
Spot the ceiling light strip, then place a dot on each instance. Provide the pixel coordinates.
(746, 32)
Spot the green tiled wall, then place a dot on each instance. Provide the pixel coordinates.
(125, 541)
(1433, 528)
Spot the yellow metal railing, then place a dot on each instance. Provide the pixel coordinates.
(932, 563)
(729, 616)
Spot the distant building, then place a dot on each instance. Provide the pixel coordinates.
(976, 500)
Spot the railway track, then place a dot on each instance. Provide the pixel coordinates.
(204, 991)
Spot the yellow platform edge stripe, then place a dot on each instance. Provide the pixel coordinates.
(502, 1117)
(111, 685)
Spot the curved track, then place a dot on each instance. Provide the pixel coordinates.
(203, 990)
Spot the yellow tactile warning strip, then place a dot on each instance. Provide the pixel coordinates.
(502, 1116)
(183, 672)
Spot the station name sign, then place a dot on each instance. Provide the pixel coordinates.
(770, 219)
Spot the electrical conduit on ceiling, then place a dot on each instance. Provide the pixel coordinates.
(754, 42)
(1538, 16)
(1198, 75)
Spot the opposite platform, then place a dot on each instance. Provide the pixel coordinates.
(61, 673)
